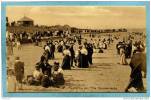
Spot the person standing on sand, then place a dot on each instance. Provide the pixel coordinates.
(72, 54)
(19, 71)
(129, 48)
(9, 45)
(47, 50)
(137, 64)
(83, 61)
(90, 53)
(66, 60)
(18, 44)
(53, 50)
(122, 57)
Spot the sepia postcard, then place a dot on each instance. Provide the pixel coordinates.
(75, 49)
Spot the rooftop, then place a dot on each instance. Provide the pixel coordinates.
(25, 19)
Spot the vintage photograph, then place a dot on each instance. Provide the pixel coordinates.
(76, 49)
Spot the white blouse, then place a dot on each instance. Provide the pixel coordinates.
(67, 52)
(47, 48)
(84, 51)
(37, 74)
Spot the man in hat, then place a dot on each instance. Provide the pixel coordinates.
(19, 71)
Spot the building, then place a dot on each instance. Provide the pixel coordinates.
(25, 21)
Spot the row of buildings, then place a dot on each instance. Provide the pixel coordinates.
(27, 22)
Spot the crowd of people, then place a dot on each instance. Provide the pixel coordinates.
(78, 53)
(46, 75)
(36, 36)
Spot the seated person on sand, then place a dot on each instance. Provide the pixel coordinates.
(57, 75)
(36, 77)
(46, 80)
(44, 65)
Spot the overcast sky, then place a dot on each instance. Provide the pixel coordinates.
(94, 17)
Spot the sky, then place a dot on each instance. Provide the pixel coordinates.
(94, 17)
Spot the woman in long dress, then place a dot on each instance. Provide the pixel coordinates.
(18, 44)
(122, 57)
(66, 59)
(137, 64)
(60, 46)
(83, 58)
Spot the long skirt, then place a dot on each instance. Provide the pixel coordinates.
(60, 48)
(90, 58)
(66, 63)
(129, 52)
(83, 61)
(123, 60)
(137, 83)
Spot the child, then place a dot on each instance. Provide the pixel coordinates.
(19, 71)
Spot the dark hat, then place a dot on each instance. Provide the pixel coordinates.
(56, 63)
(17, 58)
